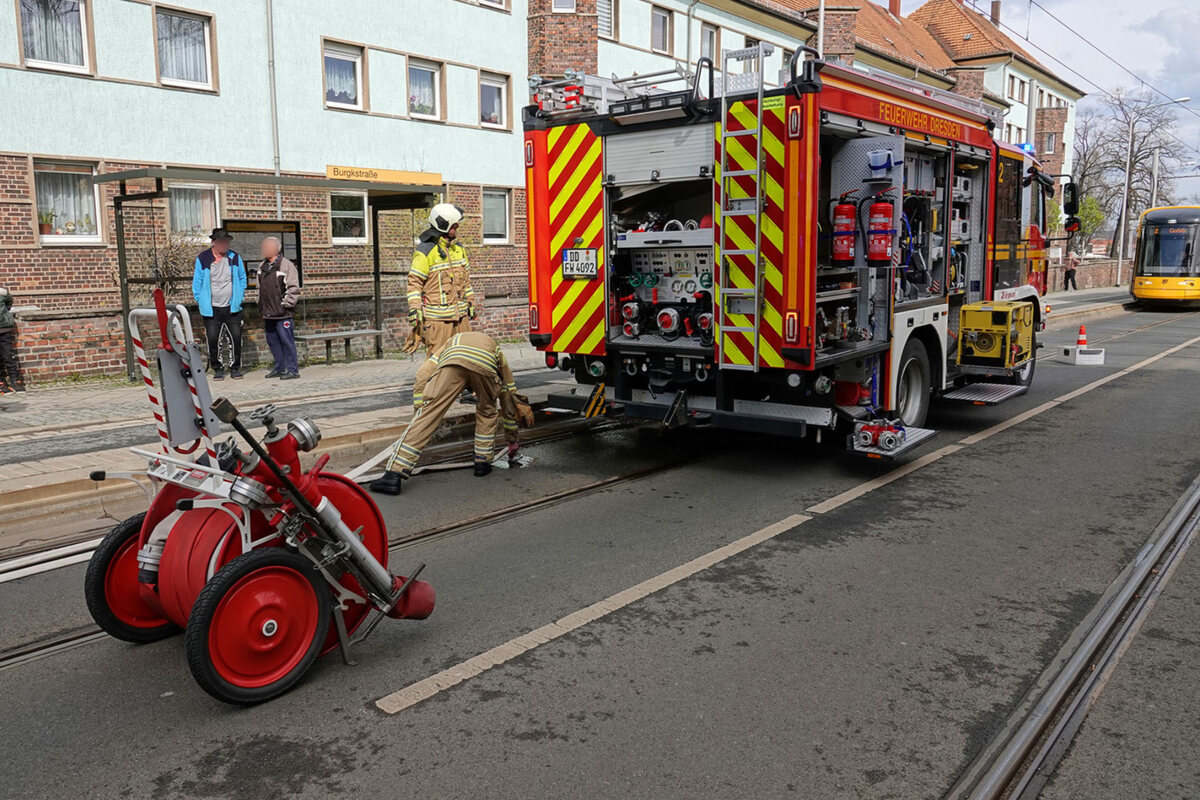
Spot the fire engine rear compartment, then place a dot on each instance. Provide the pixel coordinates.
(767, 267)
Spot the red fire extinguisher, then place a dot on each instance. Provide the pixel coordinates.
(845, 230)
(879, 230)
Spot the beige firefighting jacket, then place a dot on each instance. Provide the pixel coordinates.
(439, 280)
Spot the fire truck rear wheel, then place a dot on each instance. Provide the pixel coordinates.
(112, 591)
(1024, 376)
(257, 626)
(913, 384)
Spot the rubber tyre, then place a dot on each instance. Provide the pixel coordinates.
(1024, 376)
(913, 385)
(111, 590)
(229, 651)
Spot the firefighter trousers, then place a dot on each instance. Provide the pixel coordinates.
(440, 393)
(437, 332)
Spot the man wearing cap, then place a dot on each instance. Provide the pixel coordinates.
(218, 285)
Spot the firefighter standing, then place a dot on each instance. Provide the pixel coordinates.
(467, 361)
(441, 301)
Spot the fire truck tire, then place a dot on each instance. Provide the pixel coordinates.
(913, 385)
(112, 591)
(1024, 376)
(257, 626)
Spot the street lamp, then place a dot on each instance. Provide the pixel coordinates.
(1128, 178)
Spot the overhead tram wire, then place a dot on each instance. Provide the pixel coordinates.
(1092, 83)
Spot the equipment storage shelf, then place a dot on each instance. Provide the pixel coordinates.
(837, 294)
(702, 237)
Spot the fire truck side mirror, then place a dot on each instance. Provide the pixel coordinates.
(1070, 203)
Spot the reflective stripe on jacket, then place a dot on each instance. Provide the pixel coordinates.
(439, 280)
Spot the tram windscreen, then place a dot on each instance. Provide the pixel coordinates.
(1167, 250)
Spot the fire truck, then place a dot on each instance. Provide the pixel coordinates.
(824, 256)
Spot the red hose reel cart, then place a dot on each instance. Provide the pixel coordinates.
(263, 565)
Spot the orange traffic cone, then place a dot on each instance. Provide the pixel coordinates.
(1082, 340)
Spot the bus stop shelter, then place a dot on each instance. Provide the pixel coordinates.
(381, 196)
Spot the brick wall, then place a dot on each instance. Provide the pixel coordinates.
(77, 330)
(969, 81)
(840, 38)
(558, 42)
(1089, 275)
(1052, 120)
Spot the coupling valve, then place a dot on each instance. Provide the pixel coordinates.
(668, 320)
(249, 493)
(306, 433)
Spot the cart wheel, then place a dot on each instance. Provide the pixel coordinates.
(113, 593)
(257, 626)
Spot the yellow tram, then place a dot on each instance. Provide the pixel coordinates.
(1165, 267)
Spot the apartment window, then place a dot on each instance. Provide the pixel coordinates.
(660, 30)
(53, 34)
(495, 216)
(193, 208)
(343, 76)
(1008, 133)
(424, 82)
(493, 100)
(710, 42)
(1022, 87)
(66, 202)
(606, 18)
(563, 6)
(184, 49)
(1041, 98)
(1020, 135)
(1051, 142)
(348, 217)
(749, 65)
(496, 3)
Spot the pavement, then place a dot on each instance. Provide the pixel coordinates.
(759, 618)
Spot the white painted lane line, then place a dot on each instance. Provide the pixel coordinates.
(434, 684)
(37, 569)
(428, 687)
(855, 492)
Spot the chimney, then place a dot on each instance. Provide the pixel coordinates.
(894, 8)
(841, 23)
(996, 13)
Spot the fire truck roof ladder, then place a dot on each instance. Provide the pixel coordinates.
(733, 85)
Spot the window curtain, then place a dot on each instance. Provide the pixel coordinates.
(421, 98)
(52, 31)
(495, 215)
(491, 106)
(69, 195)
(192, 210)
(341, 80)
(182, 55)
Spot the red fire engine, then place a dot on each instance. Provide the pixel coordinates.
(830, 253)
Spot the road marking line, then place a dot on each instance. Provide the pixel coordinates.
(37, 569)
(428, 687)
(856, 492)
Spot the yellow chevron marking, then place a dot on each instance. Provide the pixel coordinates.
(576, 289)
(581, 173)
(579, 133)
(568, 226)
(730, 351)
(594, 339)
(555, 134)
(585, 315)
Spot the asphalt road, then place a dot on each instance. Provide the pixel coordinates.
(869, 651)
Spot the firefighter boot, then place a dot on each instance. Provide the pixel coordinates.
(482, 469)
(390, 483)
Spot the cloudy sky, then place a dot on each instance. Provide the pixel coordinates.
(1159, 40)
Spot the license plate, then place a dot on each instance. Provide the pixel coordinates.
(580, 264)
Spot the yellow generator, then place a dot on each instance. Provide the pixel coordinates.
(995, 334)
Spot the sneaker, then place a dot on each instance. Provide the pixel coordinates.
(236, 374)
(5, 389)
(483, 469)
(275, 373)
(289, 376)
(390, 483)
(218, 376)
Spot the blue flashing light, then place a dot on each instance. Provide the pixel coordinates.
(1028, 148)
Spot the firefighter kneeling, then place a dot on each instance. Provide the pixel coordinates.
(467, 361)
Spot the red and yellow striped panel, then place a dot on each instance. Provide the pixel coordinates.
(537, 213)
(737, 233)
(576, 214)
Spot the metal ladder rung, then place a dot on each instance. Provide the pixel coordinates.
(737, 252)
(746, 132)
(738, 173)
(731, 292)
(750, 212)
(737, 329)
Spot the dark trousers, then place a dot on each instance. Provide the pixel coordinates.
(212, 330)
(1069, 280)
(281, 338)
(10, 370)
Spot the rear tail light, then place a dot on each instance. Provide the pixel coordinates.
(533, 318)
(551, 360)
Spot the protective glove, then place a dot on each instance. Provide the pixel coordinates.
(416, 316)
(471, 311)
(513, 449)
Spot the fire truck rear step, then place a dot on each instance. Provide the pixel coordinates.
(986, 394)
(913, 438)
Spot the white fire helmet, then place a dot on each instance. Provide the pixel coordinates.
(443, 216)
